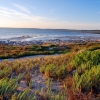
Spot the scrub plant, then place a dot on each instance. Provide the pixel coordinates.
(7, 86)
(26, 95)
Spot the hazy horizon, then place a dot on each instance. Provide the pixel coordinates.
(53, 28)
(43, 14)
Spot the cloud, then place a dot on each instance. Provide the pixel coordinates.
(7, 12)
(13, 13)
(22, 8)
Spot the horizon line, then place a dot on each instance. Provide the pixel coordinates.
(54, 28)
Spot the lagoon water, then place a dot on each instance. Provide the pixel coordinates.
(28, 34)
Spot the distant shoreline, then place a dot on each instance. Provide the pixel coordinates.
(94, 31)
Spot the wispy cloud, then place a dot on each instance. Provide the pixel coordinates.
(7, 12)
(22, 8)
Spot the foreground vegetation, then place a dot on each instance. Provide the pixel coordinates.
(78, 70)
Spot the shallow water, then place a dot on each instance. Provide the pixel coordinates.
(35, 56)
(30, 34)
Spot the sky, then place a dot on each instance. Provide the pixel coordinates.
(56, 14)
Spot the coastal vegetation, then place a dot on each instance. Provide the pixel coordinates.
(7, 51)
(78, 71)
